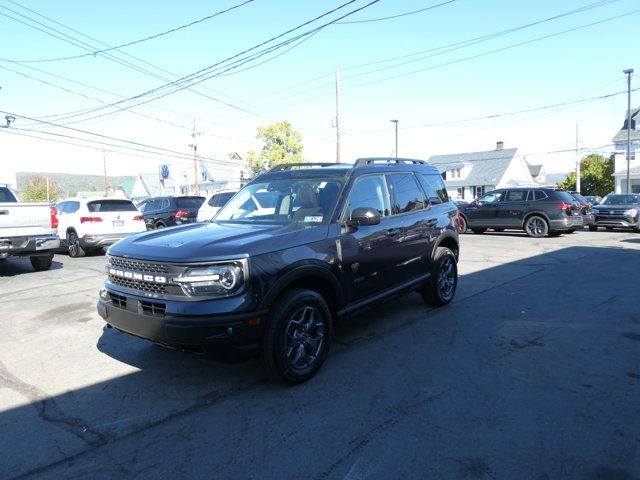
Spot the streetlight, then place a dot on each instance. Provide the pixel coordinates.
(396, 122)
(628, 72)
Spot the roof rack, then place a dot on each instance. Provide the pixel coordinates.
(289, 166)
(369, 162)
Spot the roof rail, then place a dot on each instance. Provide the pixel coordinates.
(289, 166)
(368, 162)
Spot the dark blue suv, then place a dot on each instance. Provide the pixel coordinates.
(273, 281)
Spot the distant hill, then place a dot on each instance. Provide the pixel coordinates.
(70, 184)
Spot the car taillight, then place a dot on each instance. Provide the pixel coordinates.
(139, 218)
(90, 219)
(180, 213)
(54, 217)
(564, 206)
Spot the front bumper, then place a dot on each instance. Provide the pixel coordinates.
(209, 333)
(27, 246)
(566, 223)
(620, 221)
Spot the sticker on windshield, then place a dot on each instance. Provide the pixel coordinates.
(314, 219)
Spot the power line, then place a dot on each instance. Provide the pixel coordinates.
(396, 16)
(135, 42)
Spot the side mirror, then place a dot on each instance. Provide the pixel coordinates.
(364, 216)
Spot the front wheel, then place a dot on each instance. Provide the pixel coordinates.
(297, 337)
(73, 245)
(41, 263)
(536, 226)
(441, 287)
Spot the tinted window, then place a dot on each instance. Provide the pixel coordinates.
(565, 197)
(111, 206)
(406, 194)
(516, 196)
(220, 199)
(270, 199)
(539, 195)
(621, 199)
(190, 202)
(370, 191)
(435, 189)
(5, 195)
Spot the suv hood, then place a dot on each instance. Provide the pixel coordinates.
(615, 207)
(203, 242)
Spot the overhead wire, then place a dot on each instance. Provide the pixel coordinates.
(396, 16)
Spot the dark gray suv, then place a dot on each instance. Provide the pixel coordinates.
(537, 211)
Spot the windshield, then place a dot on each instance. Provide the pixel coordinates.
(189, 202)
(621, 200)
(306, 201)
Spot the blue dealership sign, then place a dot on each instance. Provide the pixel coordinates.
(164, 172)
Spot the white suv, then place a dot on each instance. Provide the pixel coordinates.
(213, 203)
(90, 224)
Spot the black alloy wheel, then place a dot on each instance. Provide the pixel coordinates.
(441, 287)
(536, 227)
(298, 336)
(73, 245)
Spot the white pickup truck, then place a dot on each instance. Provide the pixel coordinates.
(27, 229)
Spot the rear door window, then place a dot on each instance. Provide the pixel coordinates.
(516, 196)
(405, 194)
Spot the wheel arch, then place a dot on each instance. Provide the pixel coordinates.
(536, 214)
(450, 242)
(311, 277)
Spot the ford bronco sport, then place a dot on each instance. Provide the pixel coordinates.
(339, 238)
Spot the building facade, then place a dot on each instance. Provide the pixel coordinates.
(469, 175)
(629, 132)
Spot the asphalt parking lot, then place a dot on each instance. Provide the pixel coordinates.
(533, 372)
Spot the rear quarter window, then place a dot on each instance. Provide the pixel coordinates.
(565, 197)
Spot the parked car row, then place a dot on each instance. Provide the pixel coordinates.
(547, 211)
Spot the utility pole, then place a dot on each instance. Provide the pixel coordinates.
(47, 189)
(337, 115)
(396, 122)
(106, 182)
(577, 163)
(194, 146)
(628, 72)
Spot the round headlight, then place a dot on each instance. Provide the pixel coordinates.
(229, 277)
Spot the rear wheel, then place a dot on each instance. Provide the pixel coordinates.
(159, 225)
(478, 230)
(536, 226)
(297, 337)
(41, 263)
(441, 287)
(73, 245)
(593, 228)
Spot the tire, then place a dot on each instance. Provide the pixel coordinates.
(41, 263)
(73, 245)
(478, 230)
(536, 226)
(593, 228)
(297, 336)
(462, 227)
(498, 229)
(441, 287)
(159, 225)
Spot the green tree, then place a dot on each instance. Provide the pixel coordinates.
(36, 190)
(282, 144)
(595, 176)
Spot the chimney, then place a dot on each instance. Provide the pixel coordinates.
(499, 145)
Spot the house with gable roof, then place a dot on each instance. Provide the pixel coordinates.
(620, 143)
(469, 175)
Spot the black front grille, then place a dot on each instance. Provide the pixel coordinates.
(138, 285)
(118, 300)
(137, 265)
(155, 309)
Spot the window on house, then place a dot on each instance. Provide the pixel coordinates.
(460, 192)
(478, 191)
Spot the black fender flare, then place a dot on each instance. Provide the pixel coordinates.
(301, 272)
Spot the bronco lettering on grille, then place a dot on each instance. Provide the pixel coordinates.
(137, 276)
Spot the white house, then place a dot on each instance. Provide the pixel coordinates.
(469, 175)
(620, 142)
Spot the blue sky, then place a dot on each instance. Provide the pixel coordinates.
(435, 70)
